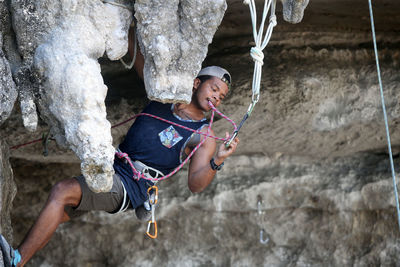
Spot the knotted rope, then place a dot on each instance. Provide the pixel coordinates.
(256, 52)
(261, 42)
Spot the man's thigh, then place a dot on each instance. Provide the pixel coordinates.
(107, 201)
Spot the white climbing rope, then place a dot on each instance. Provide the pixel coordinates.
(129, 66)
(256, 52)
(384, 112)
(261, 42)
(111, 2)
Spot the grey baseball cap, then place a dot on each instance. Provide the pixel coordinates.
(216, 71)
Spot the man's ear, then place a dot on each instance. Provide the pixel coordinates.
(196, 84)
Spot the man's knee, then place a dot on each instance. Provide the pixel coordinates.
(66, 192)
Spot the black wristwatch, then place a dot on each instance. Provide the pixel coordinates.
(214, 166)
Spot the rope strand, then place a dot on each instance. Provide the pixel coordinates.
(384, 113)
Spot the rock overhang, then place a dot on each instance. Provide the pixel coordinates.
(286, 39)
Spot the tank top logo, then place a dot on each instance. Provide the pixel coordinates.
(169, 137)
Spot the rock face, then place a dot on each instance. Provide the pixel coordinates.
(60, 43)
(293, 10)
(336, 212)
(73, 89)
(313, 150)
(8, 91)
(7, 191)
(174, 37)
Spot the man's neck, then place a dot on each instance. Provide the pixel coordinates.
(188, 111)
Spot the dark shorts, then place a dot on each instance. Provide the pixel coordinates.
(110, 201)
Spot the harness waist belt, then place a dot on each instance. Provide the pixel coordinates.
(148, 171)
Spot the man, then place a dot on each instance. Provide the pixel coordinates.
(152, 145)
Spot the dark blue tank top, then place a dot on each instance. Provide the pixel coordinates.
(155, 143)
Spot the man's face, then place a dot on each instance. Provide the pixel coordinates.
(213, 89)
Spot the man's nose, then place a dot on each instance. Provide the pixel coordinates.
(216, 97)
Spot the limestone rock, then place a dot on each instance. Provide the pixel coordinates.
(29, 25)
(174, 36)
(73, 91)
(8, 91)
(8, 191)
(293, 10)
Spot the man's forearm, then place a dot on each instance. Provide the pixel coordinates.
(199, 180)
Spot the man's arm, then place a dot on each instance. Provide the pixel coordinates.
(200, 172)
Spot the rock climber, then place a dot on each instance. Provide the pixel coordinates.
(155, 147)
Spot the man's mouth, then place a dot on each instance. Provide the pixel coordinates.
(209, 101)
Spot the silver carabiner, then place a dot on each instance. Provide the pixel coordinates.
(259, 202)
(262, 240)
(260, 212)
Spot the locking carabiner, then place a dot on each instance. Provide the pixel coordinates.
(153, 200)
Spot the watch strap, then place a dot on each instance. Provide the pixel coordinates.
(214, 166)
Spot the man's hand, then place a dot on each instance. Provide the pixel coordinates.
(224, 152)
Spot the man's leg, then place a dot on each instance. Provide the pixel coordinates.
(65, 193)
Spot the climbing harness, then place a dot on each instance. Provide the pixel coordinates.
(384, 112)
(260, 216)
(256, 52)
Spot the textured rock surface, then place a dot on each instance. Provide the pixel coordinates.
(29, 27)
(337, 212)
(174, 37)
(293, 10)
(71, 90)
(7, 191)
(8, 91)
(74, 91)
(314, 149)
